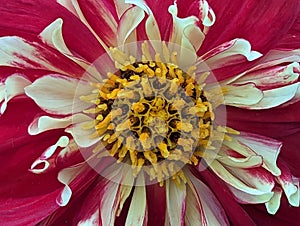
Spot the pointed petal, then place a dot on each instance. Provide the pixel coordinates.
(176, 199)
(58, 94)
(128, 23)
(138, 207)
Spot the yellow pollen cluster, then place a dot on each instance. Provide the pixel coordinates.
(151, 115)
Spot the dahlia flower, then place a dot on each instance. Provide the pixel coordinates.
(149, 112)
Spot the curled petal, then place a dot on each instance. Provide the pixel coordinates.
(13, 86)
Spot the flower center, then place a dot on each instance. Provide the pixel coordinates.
(152, 115)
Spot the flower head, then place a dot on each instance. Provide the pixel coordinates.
(143, 125)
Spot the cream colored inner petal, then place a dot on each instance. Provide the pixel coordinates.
(242, 96)
(56, 94)
(275, 97)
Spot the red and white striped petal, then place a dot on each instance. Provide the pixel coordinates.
(13, 86)
(100, 15)
(266, 147)
(271, 77)
(290, 185)
(19, 53)
(58, 94)
(93, 220)
(229, 53)
(176, 203)
(242, 95)
(252, 181)
(52, 35)
(202, 207)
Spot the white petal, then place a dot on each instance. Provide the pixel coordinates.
(128, 23)
(58, 94)
(248, 162)
(242, 96)
(13, 86)
(183, 29)
(274, 203)
(246, 198)
(82, 136)
(138, 207)
(66, 176)
(275, 97)
(176, 199)
(45, 123)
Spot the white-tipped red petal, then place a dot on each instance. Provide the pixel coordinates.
(13, 86)
(52, 35)
(58, 94)
(42, 164)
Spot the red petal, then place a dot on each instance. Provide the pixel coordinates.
(251, 20)
(234, 211)
(27, 19)
(276, 122)
(162, 16)
(286, 214)
(156, 202)
(292, 39)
